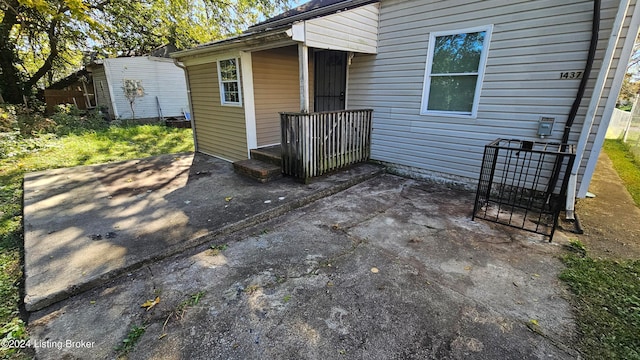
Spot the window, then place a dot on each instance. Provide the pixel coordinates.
(229, 82)
(455, 67)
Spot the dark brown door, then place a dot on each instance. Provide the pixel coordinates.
(330, 80)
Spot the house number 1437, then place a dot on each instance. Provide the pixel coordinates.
(568, 75)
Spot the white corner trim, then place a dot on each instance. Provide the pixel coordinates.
(303, 73)
(246, 68)
(621, 69)
(598, 87)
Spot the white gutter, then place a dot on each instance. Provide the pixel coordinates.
(193, 119)
(611, 101)
(589, 119)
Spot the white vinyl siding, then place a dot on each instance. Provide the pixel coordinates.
(532, 42)
(161, 79)
(352, 30)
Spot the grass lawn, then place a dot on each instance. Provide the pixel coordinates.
(19, 156)
(607, 292)
(626, 165)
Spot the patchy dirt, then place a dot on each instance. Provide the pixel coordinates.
(611, 220)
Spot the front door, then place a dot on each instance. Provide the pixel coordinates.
(330, 80)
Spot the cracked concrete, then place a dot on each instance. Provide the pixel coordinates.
(389, 269)
(87, 224)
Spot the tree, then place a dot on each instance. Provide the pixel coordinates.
(629, 90)
(42, 40)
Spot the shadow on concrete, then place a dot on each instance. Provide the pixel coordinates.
(391, 268)
(87, 224)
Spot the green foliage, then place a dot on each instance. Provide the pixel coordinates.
(626, 165)
(628, 91)
(576, 246)
(20, 154)
(131, 340)
(192, 300)
(45, 40)
(69, 120)
(607, 304)
(626, 107)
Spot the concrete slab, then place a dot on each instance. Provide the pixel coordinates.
(389, 269)
(87, 224)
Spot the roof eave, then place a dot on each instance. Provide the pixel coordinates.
(242, 41)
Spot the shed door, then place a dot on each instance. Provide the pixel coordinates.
(330, 80)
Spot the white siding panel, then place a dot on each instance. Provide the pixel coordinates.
(532, 43)
(352, 30)
(160, 78)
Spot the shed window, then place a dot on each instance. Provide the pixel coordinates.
(454, 72)
(229, 82)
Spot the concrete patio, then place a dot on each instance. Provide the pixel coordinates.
(87, 224)
(388, 268)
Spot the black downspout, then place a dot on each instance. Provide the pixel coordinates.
(595, 28)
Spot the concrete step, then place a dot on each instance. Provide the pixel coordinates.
(271, 154)
(258, 170)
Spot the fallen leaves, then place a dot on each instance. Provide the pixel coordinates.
(151, 303)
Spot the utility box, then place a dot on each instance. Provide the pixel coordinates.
(523, 184)
(545, 126)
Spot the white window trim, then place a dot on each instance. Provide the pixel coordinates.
(221, 84)
(481, 68)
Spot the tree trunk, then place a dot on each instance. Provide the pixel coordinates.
(11, 83)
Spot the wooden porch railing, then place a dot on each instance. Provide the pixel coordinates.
(316, 143)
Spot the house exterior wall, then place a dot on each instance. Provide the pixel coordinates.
(101, 89)
(532, 43)
(220, 130)
(276, 87)
(160, 78)
(352, 30)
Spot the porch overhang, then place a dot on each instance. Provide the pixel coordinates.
(354, 30)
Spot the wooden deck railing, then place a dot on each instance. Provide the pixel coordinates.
(316, 143)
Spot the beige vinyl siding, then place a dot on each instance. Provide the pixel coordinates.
(532, 42)
(276, 88)
(220, 130)
(353, 30)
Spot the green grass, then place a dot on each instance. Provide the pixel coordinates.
(607, 297)
(21, 155)
(607, 292)
(626, 165)
(130, 341)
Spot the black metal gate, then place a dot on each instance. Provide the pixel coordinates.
(330, 80)
(523, 184)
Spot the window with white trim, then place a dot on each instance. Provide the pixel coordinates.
(454, 72)
(229, 80)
